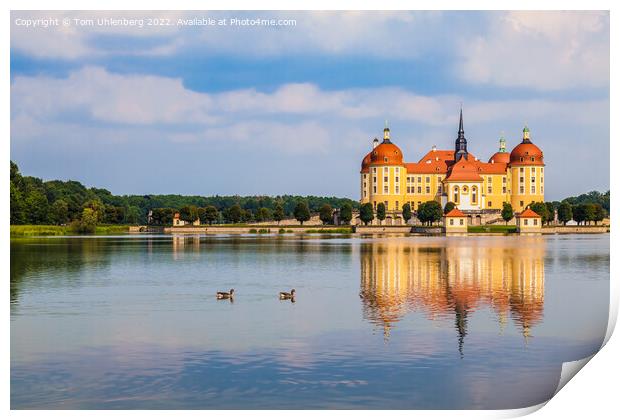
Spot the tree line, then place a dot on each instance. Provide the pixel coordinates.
(38, 202)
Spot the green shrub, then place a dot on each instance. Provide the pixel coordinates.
(252, 230)
(281, 230)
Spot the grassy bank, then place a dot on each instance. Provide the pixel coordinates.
(492, 229)
(52, 230)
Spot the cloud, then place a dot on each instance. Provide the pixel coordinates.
(541, 50)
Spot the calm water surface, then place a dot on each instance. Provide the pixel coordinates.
(394, 322)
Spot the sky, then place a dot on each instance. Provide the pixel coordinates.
(293, 108)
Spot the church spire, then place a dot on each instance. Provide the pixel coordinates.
(460, 149)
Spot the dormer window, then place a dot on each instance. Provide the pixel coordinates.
(385, 159)
(428, 161)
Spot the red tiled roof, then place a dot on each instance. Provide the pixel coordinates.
(464, 170)
(528, 213)
(455, 212)
(526, 151)
(500, 157)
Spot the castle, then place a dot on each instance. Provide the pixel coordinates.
(453, 175)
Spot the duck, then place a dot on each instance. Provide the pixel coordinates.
(225, 295)
(287, 295)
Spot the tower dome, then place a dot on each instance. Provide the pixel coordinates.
(526, 153)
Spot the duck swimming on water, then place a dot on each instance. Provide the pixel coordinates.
(287, 295)
(225, 295)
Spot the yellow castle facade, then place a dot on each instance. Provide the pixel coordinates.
(453, 175)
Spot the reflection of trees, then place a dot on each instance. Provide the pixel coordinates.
(453, 279)
(54, 261)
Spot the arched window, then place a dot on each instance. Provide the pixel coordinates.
(465, 189)
(473, 194)
(456, 194)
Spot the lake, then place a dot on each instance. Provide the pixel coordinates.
(402, 322)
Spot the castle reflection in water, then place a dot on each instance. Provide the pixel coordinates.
(452, 278)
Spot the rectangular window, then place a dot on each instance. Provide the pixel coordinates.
(533, 189)
(439, 189)
(451, 221)
(397, 206)
(490, 189)
(521, 203)
(535, 222)
(489, 180)
(522, 189)
(374, 179)
(521, 170)
(542, 180)
(542, 170)
(386, 169)
(364, 185)
(419, 190)
(374, 205)
(525, 222)
(397, 179)
(385, 189)
(374, 170)
(428, 189)
(397, 189)
(503, 190)
(374, 189)
(364, 193)
(385, 203)
(428, 179)
(396, 170)
(461, 222)
(385, 179)
(533, 180)
(419, 179)
(521, 180)
(542, 189)
(503, 180)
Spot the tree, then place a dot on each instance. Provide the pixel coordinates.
(17, 204)
(59, 213)
(407, 212)
(189, 213)
(579, 213)
(448, 207)
(87, 223)
(346, 213)
(263, 214)
(551, 207)
(599, 213)
(132, 215)
(326, 214)
(211, 214)
(540, 208)
(36, 207)
(366, 213)
(302, 212)
(565, 212)
(234, 213)
(98, 208)
(201, 214)
(381, 212)
(278, 212)
(507, 212)
(589, 212)
(430, 212)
